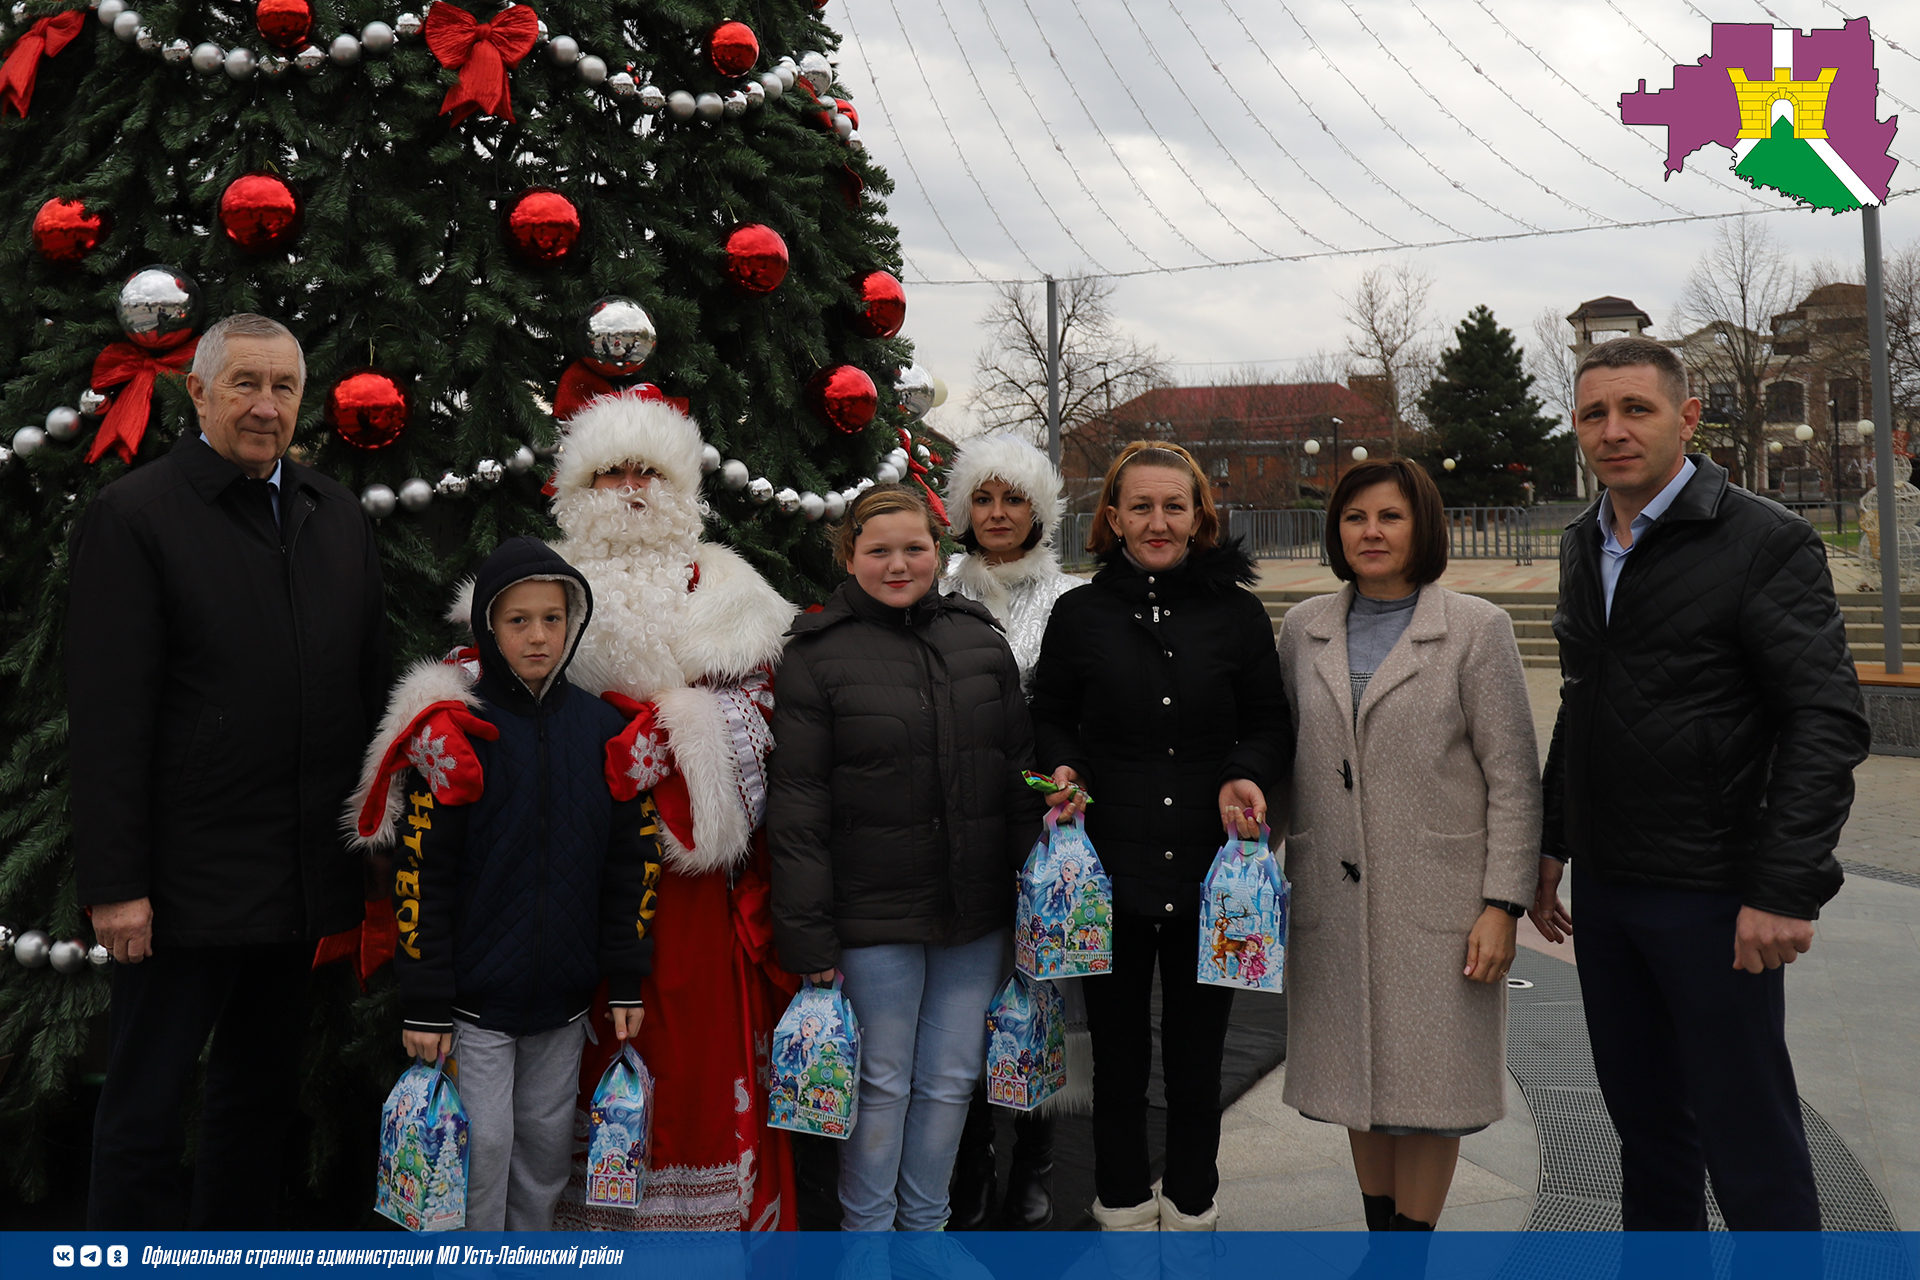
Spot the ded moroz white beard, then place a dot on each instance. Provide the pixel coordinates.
(637, 550)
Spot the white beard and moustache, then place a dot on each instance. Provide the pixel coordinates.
(638, 562)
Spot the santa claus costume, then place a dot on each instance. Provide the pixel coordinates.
(684, 639)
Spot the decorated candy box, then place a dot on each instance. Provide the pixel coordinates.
(620, 1127)
(1026, 1044)
(1063, 922)
(814, 1084)
(421, 1182)
(1243, 918)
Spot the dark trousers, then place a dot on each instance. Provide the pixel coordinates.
(1692, 1059)
(1193, 1033)
(253, 1001)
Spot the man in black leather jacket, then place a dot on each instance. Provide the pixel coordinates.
(1700, 772)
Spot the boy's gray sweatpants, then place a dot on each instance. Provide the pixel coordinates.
(519, 1093)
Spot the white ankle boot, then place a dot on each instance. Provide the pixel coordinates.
(1140, 1217)
(1171, 1219)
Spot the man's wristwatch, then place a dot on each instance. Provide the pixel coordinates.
(1513, 909)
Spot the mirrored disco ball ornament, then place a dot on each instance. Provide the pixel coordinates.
(98, 956)
(489, 472)
(760, 489)
(158, 307)
(913, 391)
(619, 336)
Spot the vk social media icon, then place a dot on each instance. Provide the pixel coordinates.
(116, 1255)
(89, 1255)
(63, 1255)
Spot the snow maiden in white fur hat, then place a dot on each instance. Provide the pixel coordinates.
(1005, 503)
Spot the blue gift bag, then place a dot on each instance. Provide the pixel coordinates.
(422, 1178)
(619, 1129)
(814, 1085)
(1026, 1044)
(1243, 917)
(1063, 922)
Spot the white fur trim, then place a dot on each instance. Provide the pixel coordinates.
(425, 683)
(614, 430)
(460, 612)
(734, 623)
(702, 745)
(1014, 462)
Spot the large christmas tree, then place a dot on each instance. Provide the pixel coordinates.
(472, 218)
(1484, 416)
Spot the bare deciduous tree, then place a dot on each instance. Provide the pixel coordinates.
(1392, 336)
(1550, 361)
(1727, 309)
(1101, 366)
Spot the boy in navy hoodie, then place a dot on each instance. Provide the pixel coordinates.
(513, 906)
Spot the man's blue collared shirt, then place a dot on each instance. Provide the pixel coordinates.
(274, 482)
(1613, 556)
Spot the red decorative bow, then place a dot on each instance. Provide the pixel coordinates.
(483, 53)
(43, 39)
(919, 470)
(137, 367)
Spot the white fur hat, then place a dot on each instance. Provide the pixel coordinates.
(1013, 462)
(619, 429)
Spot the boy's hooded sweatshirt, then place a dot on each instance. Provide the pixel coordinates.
(512, 908)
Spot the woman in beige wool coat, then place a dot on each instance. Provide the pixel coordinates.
(1413, 845)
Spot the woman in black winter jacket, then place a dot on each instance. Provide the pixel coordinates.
(896, 818)
(1158, 691)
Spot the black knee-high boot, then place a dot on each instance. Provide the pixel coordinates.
(1029, 1202)
(970, 1193)
(1379, 1210)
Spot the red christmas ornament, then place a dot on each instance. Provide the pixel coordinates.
(846, 109)
(851, 185)
(882, 307)
(756, 259)
(64, 232)
(733, 48)
(844, 397)
(368, 409)
(284, 23)
(259, 212)
(542, 226)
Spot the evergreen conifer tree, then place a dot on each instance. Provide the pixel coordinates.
(403, 261)
(1482, 412)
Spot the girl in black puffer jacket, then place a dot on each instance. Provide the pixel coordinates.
(896, 819)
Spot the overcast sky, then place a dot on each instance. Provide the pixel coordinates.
(1034, 136)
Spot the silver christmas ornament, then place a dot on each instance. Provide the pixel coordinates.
(760, 489)
(709, 106)
(818, 71)
(734, 103)
(416, 495)
(924, 454)
(273, 66)
(771, 85)
(239, 64)
(836, 504)
(756, 93)
(310, 58)
(146, 40)
(652, 97)
(733, 474)
(27, 441)
(842, 126)
(32, 947)
(345, 49)
(20, 13)
(913, 391)
(68, 957)
(622, 85)
(6, 460)
(521, 462)
(92, 402)
(887, 473)
(408, 25)
(6, 938)
(812, 506)
(176, 51)
(98, 956)
(451, 484)
(63, 423)
(564, 50)
(378, 501)
(680, 105)
(592, 69)
(127, 25)
(541, 34)
(208, 58)
(855, 144)
(377, 37)
(709, 459)
(488, 472)
(108, 11)
(619, 335)
(787, 500)
(866, 483)
(155, 302)
(787, 74)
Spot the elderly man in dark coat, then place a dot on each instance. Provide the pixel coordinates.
(226, 661)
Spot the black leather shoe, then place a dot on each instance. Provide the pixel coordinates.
(1029, 1202)
(970, 1194)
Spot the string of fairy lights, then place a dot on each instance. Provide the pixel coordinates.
(1373, 128)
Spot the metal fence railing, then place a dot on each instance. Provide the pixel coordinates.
(1280, 535)
(1473, 533)
(1490, 533)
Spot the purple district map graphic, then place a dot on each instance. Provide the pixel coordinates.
(1795, 108)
